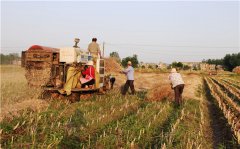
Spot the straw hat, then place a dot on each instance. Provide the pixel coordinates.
(129, 63)
(173, 70)
(90, 63)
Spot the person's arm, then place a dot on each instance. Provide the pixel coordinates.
(169, 77)
(89, 48)
(86, 71)
(99, 51)
(126, 70)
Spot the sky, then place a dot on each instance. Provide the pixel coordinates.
(157, 31)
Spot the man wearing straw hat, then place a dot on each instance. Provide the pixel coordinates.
(177, 84)
(130, 79)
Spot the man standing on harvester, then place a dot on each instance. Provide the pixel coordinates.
(94, 49)
(130, 78)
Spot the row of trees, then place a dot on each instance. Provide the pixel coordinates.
(124, 61)
(229, 61)
(135, 62)
(181, 66)
(9, 58)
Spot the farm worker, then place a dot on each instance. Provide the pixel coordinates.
(89, 74)
(112, 80)
(94, 49)
(177, 84)
(130, 78)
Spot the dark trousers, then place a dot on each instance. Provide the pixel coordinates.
(91, 82)
(178, 93)
(112, 81)
(126, 86)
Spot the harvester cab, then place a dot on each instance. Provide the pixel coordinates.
(59, 70)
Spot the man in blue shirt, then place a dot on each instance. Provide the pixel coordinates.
(130, 78)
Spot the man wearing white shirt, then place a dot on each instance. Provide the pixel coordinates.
(177, 84)
(130, 78)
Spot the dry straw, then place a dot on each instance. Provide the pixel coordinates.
(160, 92)
(111, 65)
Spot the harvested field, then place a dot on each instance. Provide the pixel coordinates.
(8, 111)
(16, 95)
(160, 92)
(143, 120)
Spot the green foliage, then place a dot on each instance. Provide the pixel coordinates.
(133, 59)
(229, 61)
(195, 68)
(111, 121)
(177, 65)
(70, 142)
(186, 67)
(8, 59)
(214, 61)
(116, 56)
(78, 119)
(150, 67)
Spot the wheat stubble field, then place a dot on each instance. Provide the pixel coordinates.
(209, 117)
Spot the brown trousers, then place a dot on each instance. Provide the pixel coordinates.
(126, 86)
(178, 93)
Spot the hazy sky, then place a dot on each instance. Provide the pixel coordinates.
(155, 31)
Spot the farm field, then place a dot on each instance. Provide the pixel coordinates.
(209, 117)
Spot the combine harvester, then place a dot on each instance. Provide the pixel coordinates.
(48, 68)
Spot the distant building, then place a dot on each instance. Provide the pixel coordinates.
(220, 67)
(192, 65)
(207, 67)
(148, 65)
(162, 65)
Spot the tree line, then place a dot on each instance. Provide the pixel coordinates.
(229, 61)
(124, 61)
(9, 58)
(135, 62)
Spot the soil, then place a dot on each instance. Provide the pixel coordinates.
(219, 130)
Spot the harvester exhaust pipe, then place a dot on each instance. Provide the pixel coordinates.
(76, 40)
